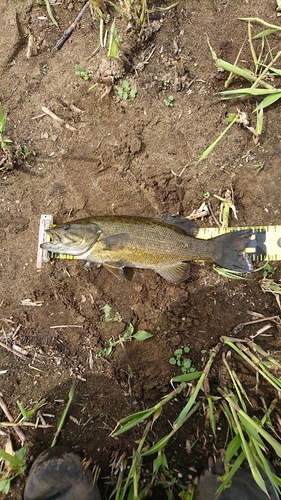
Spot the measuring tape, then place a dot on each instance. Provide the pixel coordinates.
(265, 241)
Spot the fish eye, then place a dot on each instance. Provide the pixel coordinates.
(66, 227)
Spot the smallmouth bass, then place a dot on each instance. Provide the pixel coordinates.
(163, 245)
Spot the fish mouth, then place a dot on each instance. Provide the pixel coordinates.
(58, 244)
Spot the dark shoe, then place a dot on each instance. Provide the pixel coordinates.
(58, 473)
(243, 486)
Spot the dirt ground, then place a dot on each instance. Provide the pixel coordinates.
(135, 157)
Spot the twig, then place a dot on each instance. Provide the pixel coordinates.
(57, 118)
(10, 349)
(29, 45)
(11, 420)
(67, 34)
(25, 424)
(212, 213)
(67, 326)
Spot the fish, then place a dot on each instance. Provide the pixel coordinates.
(165, 245)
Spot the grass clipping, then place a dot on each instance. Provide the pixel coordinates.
(250, 437)
(257, 76)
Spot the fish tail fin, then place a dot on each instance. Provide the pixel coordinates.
(229, 251)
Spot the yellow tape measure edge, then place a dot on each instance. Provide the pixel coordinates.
(272, 239)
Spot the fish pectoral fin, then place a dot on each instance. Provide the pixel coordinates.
(115, 268)
(174, 272)
(115, 241)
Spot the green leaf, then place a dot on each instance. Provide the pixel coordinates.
(3, 120)
(252, 463)
(270, 99)
(157, 463)
(107, 310)
(264, 33)
(251, 430)
(230, 118)
(181, 418)
(78, 69)
(186, 349)
(113, 47)
(142, 335)
(213, 145)
(13, 460)
(126, 85)
(133, 93)
(226, 478)
(130, 330)
(158, 446)
(232, 448)
(50, 13)
(5, 486)
(178, 352)
(133, 420)
(172, 361)
(187, 377)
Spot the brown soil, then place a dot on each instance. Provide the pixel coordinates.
(123, 157)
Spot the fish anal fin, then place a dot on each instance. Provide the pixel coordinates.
(174, 272)
(115, 268)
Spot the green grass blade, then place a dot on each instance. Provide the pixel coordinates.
(250, 91)
(212, 417)
(159, 445)
(113, 47)
(187, 377)
(12, 459)
(271, 440)
(266, 467)
(253, 466)
(251, 430)
(260, 21)
(64, 414)
(50, 14)
(232, 448)
(265, 33)
(213, 145)
(181, 418)
(226, 273)
(228, 475)
(270, 99)
(135, 420)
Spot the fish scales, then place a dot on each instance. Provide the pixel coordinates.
(148, 242)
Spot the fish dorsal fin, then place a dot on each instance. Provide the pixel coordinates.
(188, 226)
(115, 241)
(175, 272)
(115, 268)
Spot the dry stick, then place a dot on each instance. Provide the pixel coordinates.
(11, 420)
(10, 349)
(25, 424)
(67, 326)
(57, 118)
(67, 34)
